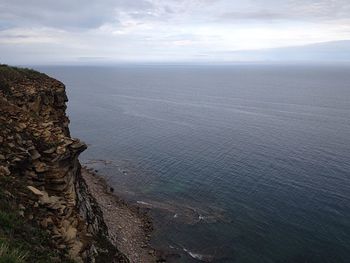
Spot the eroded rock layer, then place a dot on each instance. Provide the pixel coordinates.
(36, 151)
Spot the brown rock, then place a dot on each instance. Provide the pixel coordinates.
(40, 167)
(31, 174)
(4, 171)
(47, 221)
(78, 145)
(35, 191)
(70, 233)
(51, 150)
(46, 134)
(34, 154)
(22, 126)
(61, 150)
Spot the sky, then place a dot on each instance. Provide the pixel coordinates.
(114, 31)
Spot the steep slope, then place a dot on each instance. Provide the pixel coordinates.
(40, 178)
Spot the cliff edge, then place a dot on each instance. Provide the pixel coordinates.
(46, 211)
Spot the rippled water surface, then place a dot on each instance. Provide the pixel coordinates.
(240, 163)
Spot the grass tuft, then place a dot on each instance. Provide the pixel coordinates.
(7, 220)
(11, 255)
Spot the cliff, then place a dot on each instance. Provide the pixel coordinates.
(46, 211)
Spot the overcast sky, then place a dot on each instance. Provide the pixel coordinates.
(88, 31)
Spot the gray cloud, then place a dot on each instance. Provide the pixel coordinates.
(310, 10)
(79, 14)
(64, 30)
(67, 14)
(259, 15)
(320, 9)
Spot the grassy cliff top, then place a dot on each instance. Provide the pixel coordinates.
(14, 78)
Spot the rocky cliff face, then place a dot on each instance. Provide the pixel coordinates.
(41, 159)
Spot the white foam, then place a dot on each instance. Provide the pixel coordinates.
(200, 257)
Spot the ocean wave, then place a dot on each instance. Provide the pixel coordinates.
(201, 257)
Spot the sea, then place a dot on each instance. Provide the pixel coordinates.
(237, 163)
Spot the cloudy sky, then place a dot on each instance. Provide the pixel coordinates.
(108, 31)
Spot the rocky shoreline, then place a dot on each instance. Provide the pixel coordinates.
(129, 226)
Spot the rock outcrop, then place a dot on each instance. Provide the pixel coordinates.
(38, 153)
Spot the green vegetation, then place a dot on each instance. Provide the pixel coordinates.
(14, 74)
(8, 255)
(20, 240)
(4, 85)
(7, 221)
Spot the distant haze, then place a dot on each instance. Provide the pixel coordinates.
(117, 31)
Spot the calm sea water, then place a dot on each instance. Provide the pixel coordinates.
(240, 163)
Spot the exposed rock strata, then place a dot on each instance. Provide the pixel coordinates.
(37, 151)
